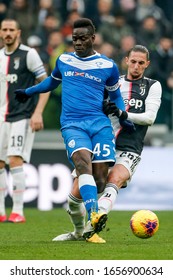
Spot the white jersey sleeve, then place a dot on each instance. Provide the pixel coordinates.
(35, 64)
(152, 104)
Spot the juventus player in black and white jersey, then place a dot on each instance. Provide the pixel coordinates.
(142, 97)
(20, 66)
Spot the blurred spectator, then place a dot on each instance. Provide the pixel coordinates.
(50, 24)
(35, 42)
(76, 5)
(52, 111)
(108, 50)
(55, 47)
(68, 44)
(146, 8)
(126, 43)
(167, 7)
(170, 81)
(68, 24)
(149, 32)
(104, 12)
(161, 59)
(90, 9)
(46, 7)
(4, 4)
(129, 8)
(127, 5)
(162, 63)
(67, 6)
(113, 32)
(98, 42)
(22, 11)
(170, 87)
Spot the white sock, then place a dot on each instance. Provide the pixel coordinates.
(2, 191)
(100, 194)
(18, 189)
(77, 214)
(107, 200)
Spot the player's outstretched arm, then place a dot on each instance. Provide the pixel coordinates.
(46, 85)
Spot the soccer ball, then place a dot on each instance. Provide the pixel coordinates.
(144, 223)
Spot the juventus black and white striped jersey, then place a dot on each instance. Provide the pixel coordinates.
(18, 70)
(142, 100)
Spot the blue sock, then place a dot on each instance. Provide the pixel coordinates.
(88, 191)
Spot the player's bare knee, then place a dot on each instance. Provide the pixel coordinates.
(83, 167)
(2, 164)
(15, 161)
(116, 180)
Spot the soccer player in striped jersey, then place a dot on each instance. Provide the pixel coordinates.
(20, 66)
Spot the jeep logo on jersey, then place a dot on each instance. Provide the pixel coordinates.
(137, 103)
(11, 78)
(16, 62)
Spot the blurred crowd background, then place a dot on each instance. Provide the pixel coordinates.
(47, 26)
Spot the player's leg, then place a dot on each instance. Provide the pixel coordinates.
(18, 175)
(4, 132)
(116, 178)
(100, 172)
(103, 151)
(108, 198)
(79, 150)
(103, 157)
(88, 192)
(3, 216)
(119, 175)
(98, 220)
(77, 213)
(86, 182)
(19, 150)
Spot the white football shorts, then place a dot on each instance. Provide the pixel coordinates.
(16, 140)
(129, 160)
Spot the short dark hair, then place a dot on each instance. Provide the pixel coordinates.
(10, 19)
(140, 48)
(85, 22)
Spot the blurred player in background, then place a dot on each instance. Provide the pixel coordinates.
(20, 66)
(142, 97)
(86, 130)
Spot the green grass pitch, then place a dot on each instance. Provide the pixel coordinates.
(33, 240)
